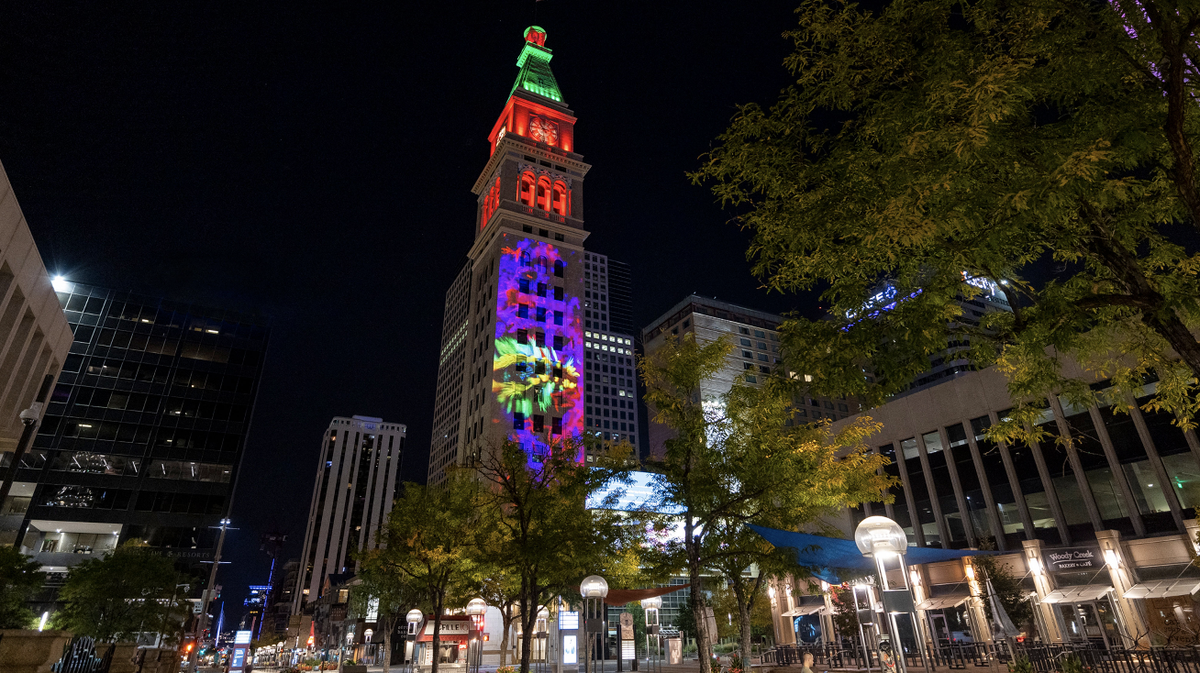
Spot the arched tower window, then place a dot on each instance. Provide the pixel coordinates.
(543, 193)
(558, 268)
(490, 203)
(558, 201)
(526, 190)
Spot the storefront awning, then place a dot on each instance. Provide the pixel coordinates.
(801, 610)
(1087, 592)
(943, 602)
(826, 556)
(1164, 588)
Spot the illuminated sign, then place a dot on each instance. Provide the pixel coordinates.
(241, 638)
(568, 621)
(239, 659)
(570, 653)
(635, 495)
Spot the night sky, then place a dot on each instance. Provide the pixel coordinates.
(313, 163)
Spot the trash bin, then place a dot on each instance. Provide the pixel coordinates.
(674, 651)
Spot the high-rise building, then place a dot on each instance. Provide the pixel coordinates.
(755, 338)
(364, 454)
(144, 431)
(34, 340)
(447, 415)
(523, 346)
(609, 374)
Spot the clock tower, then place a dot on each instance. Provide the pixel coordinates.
(511, 364)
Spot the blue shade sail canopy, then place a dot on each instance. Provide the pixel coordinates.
(827, 556)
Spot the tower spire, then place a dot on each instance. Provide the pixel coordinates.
(535, 76)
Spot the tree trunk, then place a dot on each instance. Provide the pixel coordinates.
(387, 643)
(703, 642)
(528, 621)
(437, 632)
(1145, 296)
(743, 605)
(507, 617)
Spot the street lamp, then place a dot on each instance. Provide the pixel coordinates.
(594, 589)
(414, 618)
(651, 606)
(882, 539)
(476, 609)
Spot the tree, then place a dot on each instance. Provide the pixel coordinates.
(935, 144)
(1008, 587)
(129, 591)
(544, 536)
(428, 540)
(19, 581)
(500, 588)
(391, 593)
(739, 458)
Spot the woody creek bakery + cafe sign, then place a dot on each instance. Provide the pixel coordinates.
(1074, 558)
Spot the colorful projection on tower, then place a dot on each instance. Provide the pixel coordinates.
(538, 362)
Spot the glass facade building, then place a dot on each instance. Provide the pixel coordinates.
(144, 432)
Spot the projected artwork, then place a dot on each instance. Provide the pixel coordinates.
(538, 362)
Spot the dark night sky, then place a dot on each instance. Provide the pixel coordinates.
(314, 164)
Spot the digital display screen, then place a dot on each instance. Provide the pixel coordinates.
(568, 621)
(570, 656)
(239, 658)
(241, 638)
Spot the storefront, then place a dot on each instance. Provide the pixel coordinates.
(946, 618)
(1086, 614)
(1170, 607)
(453, 639)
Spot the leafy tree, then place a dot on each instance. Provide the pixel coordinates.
(19, 581)
(392, 593)
(501, 589)
(114, 598)
(1008, 587)
(739, 458)
(1048, 143)
(428, 541)
(544, 536)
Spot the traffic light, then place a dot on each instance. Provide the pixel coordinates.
(188, 648)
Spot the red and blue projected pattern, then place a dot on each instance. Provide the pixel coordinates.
(538, 363)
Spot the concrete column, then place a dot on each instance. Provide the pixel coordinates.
(913, 517)
(1139, 422)
(1042, 581)
(776, 612)
(1191, 529)
(1085, 489)
(935, 502)
(1110, 453)
(827, 613)
(989, 500)
(978, 610)
(959, 497)
(1120, 570)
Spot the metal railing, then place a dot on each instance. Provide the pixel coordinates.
(1049, 658)
(79, 656)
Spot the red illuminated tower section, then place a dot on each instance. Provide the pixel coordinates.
(521, 374)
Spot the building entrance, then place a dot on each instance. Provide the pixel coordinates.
(1092, 622)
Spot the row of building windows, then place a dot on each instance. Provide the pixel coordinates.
(538, 423)
(78, 305)
(85, 462)
(543, 233)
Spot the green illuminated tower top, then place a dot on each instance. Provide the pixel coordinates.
(535, 76)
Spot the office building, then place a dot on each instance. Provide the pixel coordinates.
(145, 429)
(755, 338)
(521, 293)
(358, 473)
(1101, 530)
(610, 375)
(34, 340)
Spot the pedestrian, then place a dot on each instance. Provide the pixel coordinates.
(806, 662)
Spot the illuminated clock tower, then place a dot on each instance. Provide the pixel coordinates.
(511, 363)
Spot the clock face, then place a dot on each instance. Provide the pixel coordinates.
(543, 130)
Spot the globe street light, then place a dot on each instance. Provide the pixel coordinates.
(476, 609)
(414, 618)
(593, 589)
(651, 606)
(882, 539)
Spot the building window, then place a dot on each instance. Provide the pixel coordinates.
(558, 317)
(522, 336)
(558, 293)
(747, 365)
(539, 423)
(541, 314)
(522, 310)
(748, 354)
(556, 425)
(558, 342)
(558, 268)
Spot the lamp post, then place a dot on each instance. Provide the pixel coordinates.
(414, 618)
(882, 539)
(594, 588)
(476, 609)
(651, 606)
